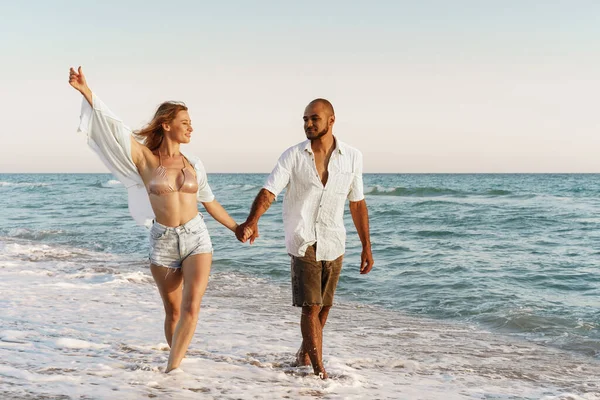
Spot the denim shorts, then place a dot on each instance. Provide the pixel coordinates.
(170, 246)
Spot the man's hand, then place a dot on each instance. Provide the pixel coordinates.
(366, 260)
(247, 231)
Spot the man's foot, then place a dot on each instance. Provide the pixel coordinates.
(322, 373)
(302, 359)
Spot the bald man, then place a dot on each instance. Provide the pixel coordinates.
(318, 174)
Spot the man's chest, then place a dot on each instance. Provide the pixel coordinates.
(312, 175)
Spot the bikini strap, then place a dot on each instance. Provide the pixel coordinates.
(159, 159)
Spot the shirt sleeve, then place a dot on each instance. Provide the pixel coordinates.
(356, 188)
(205, 194)
(109, 138)
(280, 176)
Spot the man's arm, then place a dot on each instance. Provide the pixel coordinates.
(261, 204)
(360, 217)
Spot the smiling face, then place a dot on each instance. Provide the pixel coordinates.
(318, 120)
(180, 129)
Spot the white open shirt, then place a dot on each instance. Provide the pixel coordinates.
(111, 140)
(313, 213)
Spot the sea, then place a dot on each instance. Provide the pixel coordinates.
(485, 286)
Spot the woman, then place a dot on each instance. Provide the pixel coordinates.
(163, 187)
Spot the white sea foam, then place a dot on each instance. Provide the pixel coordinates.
(78, 344)
(74, 334)
(13, 336)
(111, 183)
(10, 251)
(25, 184)
(25, 233)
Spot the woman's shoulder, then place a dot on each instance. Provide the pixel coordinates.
(194, 161)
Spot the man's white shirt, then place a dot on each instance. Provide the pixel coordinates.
(313, 213)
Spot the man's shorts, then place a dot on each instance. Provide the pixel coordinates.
(314, 282)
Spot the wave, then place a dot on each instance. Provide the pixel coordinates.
(109, 184)
(24, 233)
(414, 192)
(431, 192)
(28, 251)
(498, 192)
(433, 233)
(23, 184)
(242, 187)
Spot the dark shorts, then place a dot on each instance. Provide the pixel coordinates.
(314, 282)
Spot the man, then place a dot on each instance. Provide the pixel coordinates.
(319, 174)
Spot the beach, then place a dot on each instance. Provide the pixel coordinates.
(484, 287)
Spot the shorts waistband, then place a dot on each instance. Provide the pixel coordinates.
(187, 227)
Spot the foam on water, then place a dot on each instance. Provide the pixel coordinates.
(24, 184)
(93, 328)
(111, 184)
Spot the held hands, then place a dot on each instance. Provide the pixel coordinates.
(77, 80)
(247, 231)
(366, 260)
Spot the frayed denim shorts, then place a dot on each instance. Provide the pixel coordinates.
(170, 246)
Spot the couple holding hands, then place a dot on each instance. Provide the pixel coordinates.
(164, 188)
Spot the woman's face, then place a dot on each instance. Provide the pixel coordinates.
(180, 129)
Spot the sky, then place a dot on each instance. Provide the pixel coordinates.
(418, 86)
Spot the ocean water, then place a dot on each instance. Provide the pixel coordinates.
(484, 287)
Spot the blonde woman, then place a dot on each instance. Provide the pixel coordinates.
(164, 187)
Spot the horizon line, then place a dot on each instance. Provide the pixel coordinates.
(364, 173)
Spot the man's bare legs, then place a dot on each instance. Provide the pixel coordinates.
(302, 358)
(312, 323)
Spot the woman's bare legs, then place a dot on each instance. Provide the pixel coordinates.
(195, 270)
(169, 283)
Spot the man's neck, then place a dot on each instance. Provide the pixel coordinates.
(324, 144)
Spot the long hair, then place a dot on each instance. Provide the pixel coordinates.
(153, 134)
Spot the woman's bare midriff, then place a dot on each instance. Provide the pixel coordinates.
(174, 209)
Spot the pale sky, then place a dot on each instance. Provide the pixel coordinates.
(419, 86)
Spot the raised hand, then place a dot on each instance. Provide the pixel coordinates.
(77, 80)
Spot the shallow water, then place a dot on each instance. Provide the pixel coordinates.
(485, 286)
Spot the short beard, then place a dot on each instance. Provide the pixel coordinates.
(320, 134)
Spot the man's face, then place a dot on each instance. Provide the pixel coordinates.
(317, 122)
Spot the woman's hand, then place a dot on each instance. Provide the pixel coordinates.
(77, 80)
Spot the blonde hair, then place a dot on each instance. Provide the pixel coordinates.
(152, 134)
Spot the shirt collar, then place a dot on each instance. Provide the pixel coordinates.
(339, 147)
